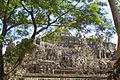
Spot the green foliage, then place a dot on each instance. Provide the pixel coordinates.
(90, 14)
(22, 32)
(118, 4)
(55, 35)
(24, 47)
(1, 38)
(71, 14)
(51, 37)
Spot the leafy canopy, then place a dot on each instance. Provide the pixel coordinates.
(21, 19)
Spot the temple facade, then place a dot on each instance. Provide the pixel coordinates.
(71, 55)
(101, 48)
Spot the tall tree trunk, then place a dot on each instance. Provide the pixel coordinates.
(1, 64)
(115, 14)
(118, 48)
(116, 19)
(4, 31)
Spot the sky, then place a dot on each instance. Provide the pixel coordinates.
(115, 38)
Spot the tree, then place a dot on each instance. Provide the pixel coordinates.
(19, 16)
(115, 12)
(116, 19)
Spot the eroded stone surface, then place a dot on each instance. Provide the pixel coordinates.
(73, 55)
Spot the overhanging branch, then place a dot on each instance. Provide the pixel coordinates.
(5, 19)
(34, 22)
(15, 67)
(12, 13)
(42, 29)
(63, 14)
(25, 7)
(17, 24)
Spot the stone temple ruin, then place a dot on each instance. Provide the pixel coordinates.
(72, 55)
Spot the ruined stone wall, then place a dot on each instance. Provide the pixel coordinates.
(73, 55)
(50, 58)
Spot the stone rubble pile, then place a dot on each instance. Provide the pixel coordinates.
(49, 57)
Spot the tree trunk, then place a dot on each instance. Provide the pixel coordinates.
(2, 75)
(115, 14)
(116, 19)
(118, 48)
(1, 64)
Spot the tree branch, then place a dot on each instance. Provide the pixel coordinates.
(48, 27)
(33, 19)
(42, 29)
(11, 13)
(16, 66)
(35, 26)
(25, 7)
(45, 27)
(14, 26)
(0, 14)
(63, 14)
(5, 20)
(48, 15)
